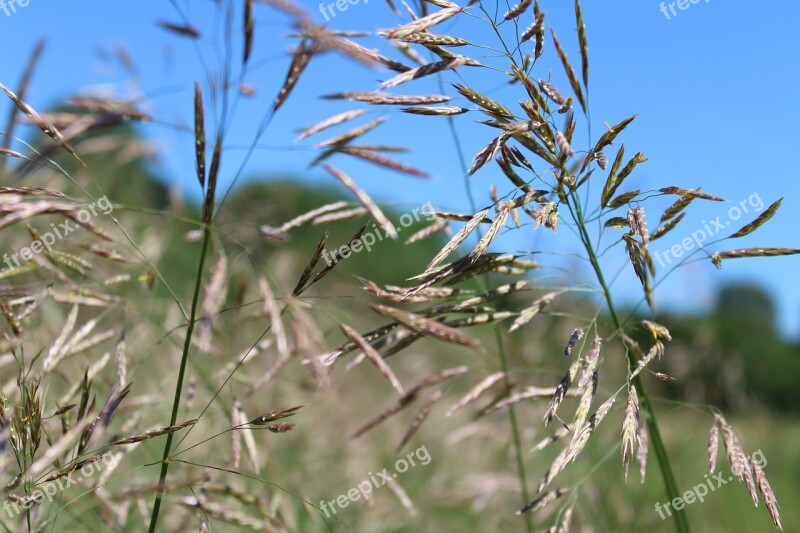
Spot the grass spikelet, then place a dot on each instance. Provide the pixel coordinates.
(434, 39)
(374, 357)
(759, 221)
(409, 397)
(517, 10)
(642, 445)
(491, 233)
(552, 93)
(694, 193)
(561, 392)
(583, 42)
(422, 24)
(389, 99)
(427, 326)
(199, 135)
(545, 499)
(214, 298)
(740, 465)
(351, 134)
(365, 200)
(337, 216)
(272, 416)
(476, 392)
(249, 24)
(122, 362)
(713, 447)
(529, 312)
(427, 70)
(563, 145)
(428, 231)
(329, 122)
(679, 205)
(630, 428)
(236, 436)
(402, 497)
(38, 120)
(456, 240)
(751, 252)
(183, 30)
(57, 348)
(769, 495)
(573, 79)
(666, 227)
(538, 29)
(576, 335)
(300, 59)
(560, 433)
(419, 418)
(435, 111)
(484, 102)
(385, 162)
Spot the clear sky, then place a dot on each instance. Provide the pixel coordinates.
(714, 87)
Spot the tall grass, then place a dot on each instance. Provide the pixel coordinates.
(248, 327)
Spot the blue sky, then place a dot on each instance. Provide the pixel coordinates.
(714, 88)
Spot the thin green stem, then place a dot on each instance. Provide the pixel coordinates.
(681, 523)
(179, 385)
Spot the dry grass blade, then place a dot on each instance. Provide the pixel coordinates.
(373, 356)
(751, 252)
(329, 122)
(419, 418)
(236, 436)
(760, 221)
(456, 240)
(365, 200)
(426, 326)
(573, 79)
(199, 135)
(476, 392)
(299, 62)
